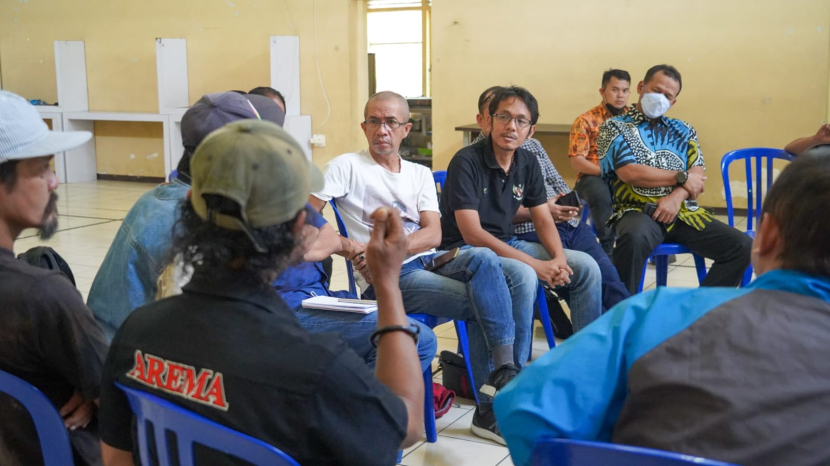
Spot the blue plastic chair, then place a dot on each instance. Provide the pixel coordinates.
(428, 320)
(754, 192)
(440, 176)
(661, 263)
(190, 429)
(561, 452)
(172, 176)
(51, 432)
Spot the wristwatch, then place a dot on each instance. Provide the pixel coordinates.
(681, 177)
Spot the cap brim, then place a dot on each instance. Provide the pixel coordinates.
(56, 141)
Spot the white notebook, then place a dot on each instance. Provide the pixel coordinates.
(360, 306)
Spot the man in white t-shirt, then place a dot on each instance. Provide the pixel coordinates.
(494, 294)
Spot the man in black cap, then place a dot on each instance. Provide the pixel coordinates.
(271, 93)
(230, 349)
(129, 275)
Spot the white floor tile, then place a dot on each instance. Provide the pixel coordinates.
(455, 452)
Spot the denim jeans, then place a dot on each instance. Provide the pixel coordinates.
(355, 330)
(581, 238)
(598, 194)
(494, 294)
(585, 288)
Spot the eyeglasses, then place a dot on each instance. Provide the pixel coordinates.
(505, 120)
(374, 123)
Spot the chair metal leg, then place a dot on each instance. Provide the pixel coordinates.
(429, 408)
(464, 350)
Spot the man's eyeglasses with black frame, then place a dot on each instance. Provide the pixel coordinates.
(374, 123)
(504, 120)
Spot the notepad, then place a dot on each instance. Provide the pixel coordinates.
(329, 303)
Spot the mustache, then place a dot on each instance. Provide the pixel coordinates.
(52, 206)
(49, 225)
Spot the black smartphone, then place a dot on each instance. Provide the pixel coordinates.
(570, 200)
(649, 208)
(443, 259)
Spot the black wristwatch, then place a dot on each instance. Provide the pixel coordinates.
(411, 330)
(681, 177)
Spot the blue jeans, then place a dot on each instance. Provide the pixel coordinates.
(585, 288)
(581, 238)
(494, 294)
(355, 330)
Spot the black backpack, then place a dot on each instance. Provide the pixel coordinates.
(562, 327)
(47, 258)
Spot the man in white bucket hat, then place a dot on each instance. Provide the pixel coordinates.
(50, 338)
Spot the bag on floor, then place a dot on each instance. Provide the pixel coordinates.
(47, 258)
(454, 375)
(562, 327)
(442, 399)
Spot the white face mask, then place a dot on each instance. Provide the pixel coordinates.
(654, 104)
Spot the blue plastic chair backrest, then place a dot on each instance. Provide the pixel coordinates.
(173, 175)
(754, 188)
(54, 441)
(190, 428)
(440, 176)
(341, 228)
(561, 452)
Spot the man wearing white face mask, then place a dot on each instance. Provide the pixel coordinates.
(655, 168)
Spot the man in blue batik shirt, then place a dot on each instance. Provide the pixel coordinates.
(652, 161)
(736, 375)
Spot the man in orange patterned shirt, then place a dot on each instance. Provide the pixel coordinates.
(583, 152)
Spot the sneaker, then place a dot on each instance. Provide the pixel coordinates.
(499, 378)
(484, 425)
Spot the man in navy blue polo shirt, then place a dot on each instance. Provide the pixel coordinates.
(486, 184)
(308, 279)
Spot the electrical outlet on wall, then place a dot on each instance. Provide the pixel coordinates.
(318, 140)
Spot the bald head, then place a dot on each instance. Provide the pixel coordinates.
(403, 105)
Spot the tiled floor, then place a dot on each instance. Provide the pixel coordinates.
(91, 213)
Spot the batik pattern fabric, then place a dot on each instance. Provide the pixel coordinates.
(584, 133)
(666, 143)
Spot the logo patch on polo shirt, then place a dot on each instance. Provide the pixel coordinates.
(518, 192)
(206, 387)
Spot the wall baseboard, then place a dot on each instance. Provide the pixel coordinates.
(136, 179)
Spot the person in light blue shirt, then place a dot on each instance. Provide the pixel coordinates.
(128, 277)
(736, 375)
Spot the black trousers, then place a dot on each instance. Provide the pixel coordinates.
(596, 191)
(638, 235)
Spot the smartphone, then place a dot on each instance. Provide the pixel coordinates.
(570, 200)
(441, 260)
(649, 208)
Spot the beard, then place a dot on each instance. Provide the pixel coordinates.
(50, 218)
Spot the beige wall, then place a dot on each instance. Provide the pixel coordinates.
(755, 73)
(228, 48)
